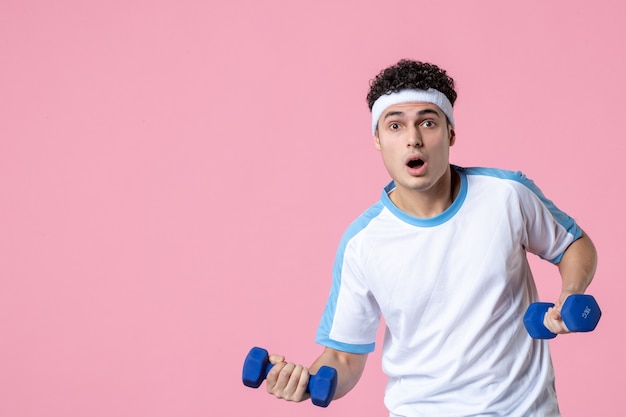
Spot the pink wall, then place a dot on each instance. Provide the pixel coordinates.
(175, 176)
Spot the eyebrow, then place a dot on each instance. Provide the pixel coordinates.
(419, 113)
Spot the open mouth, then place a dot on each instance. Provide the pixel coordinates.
(415, 163)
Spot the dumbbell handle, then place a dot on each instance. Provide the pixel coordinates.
(321, 386)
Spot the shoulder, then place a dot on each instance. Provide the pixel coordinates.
(363, 221)
(495, 173)
(491, 176)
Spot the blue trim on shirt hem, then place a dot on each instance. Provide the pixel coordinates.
(347, 347)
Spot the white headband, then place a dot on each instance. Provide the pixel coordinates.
(431, 95)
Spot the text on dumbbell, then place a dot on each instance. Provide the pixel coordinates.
(586, 312)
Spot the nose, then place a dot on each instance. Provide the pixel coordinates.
(414, 139)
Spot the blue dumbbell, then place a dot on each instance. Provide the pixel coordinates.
(321, 386)
(581, 313)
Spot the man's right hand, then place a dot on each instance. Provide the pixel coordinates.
(287, 381)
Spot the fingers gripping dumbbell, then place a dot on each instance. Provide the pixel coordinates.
(580, 313)
(321, 386)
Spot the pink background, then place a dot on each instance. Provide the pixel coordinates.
(175, 177)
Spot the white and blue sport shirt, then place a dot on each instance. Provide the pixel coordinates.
(452, 290)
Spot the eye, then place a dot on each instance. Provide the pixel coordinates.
(394, 126)
(428, 123)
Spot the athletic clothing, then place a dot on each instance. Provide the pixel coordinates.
(452, 290)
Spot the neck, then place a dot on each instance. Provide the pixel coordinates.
(428, 203)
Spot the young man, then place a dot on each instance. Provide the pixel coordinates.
(442, 257)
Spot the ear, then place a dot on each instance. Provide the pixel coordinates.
(452, 136)
(376, 141)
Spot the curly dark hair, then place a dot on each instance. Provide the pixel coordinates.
(408, 74)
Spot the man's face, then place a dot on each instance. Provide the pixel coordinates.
(414, 140)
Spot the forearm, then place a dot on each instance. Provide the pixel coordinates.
(349, 368)
(578, 266)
